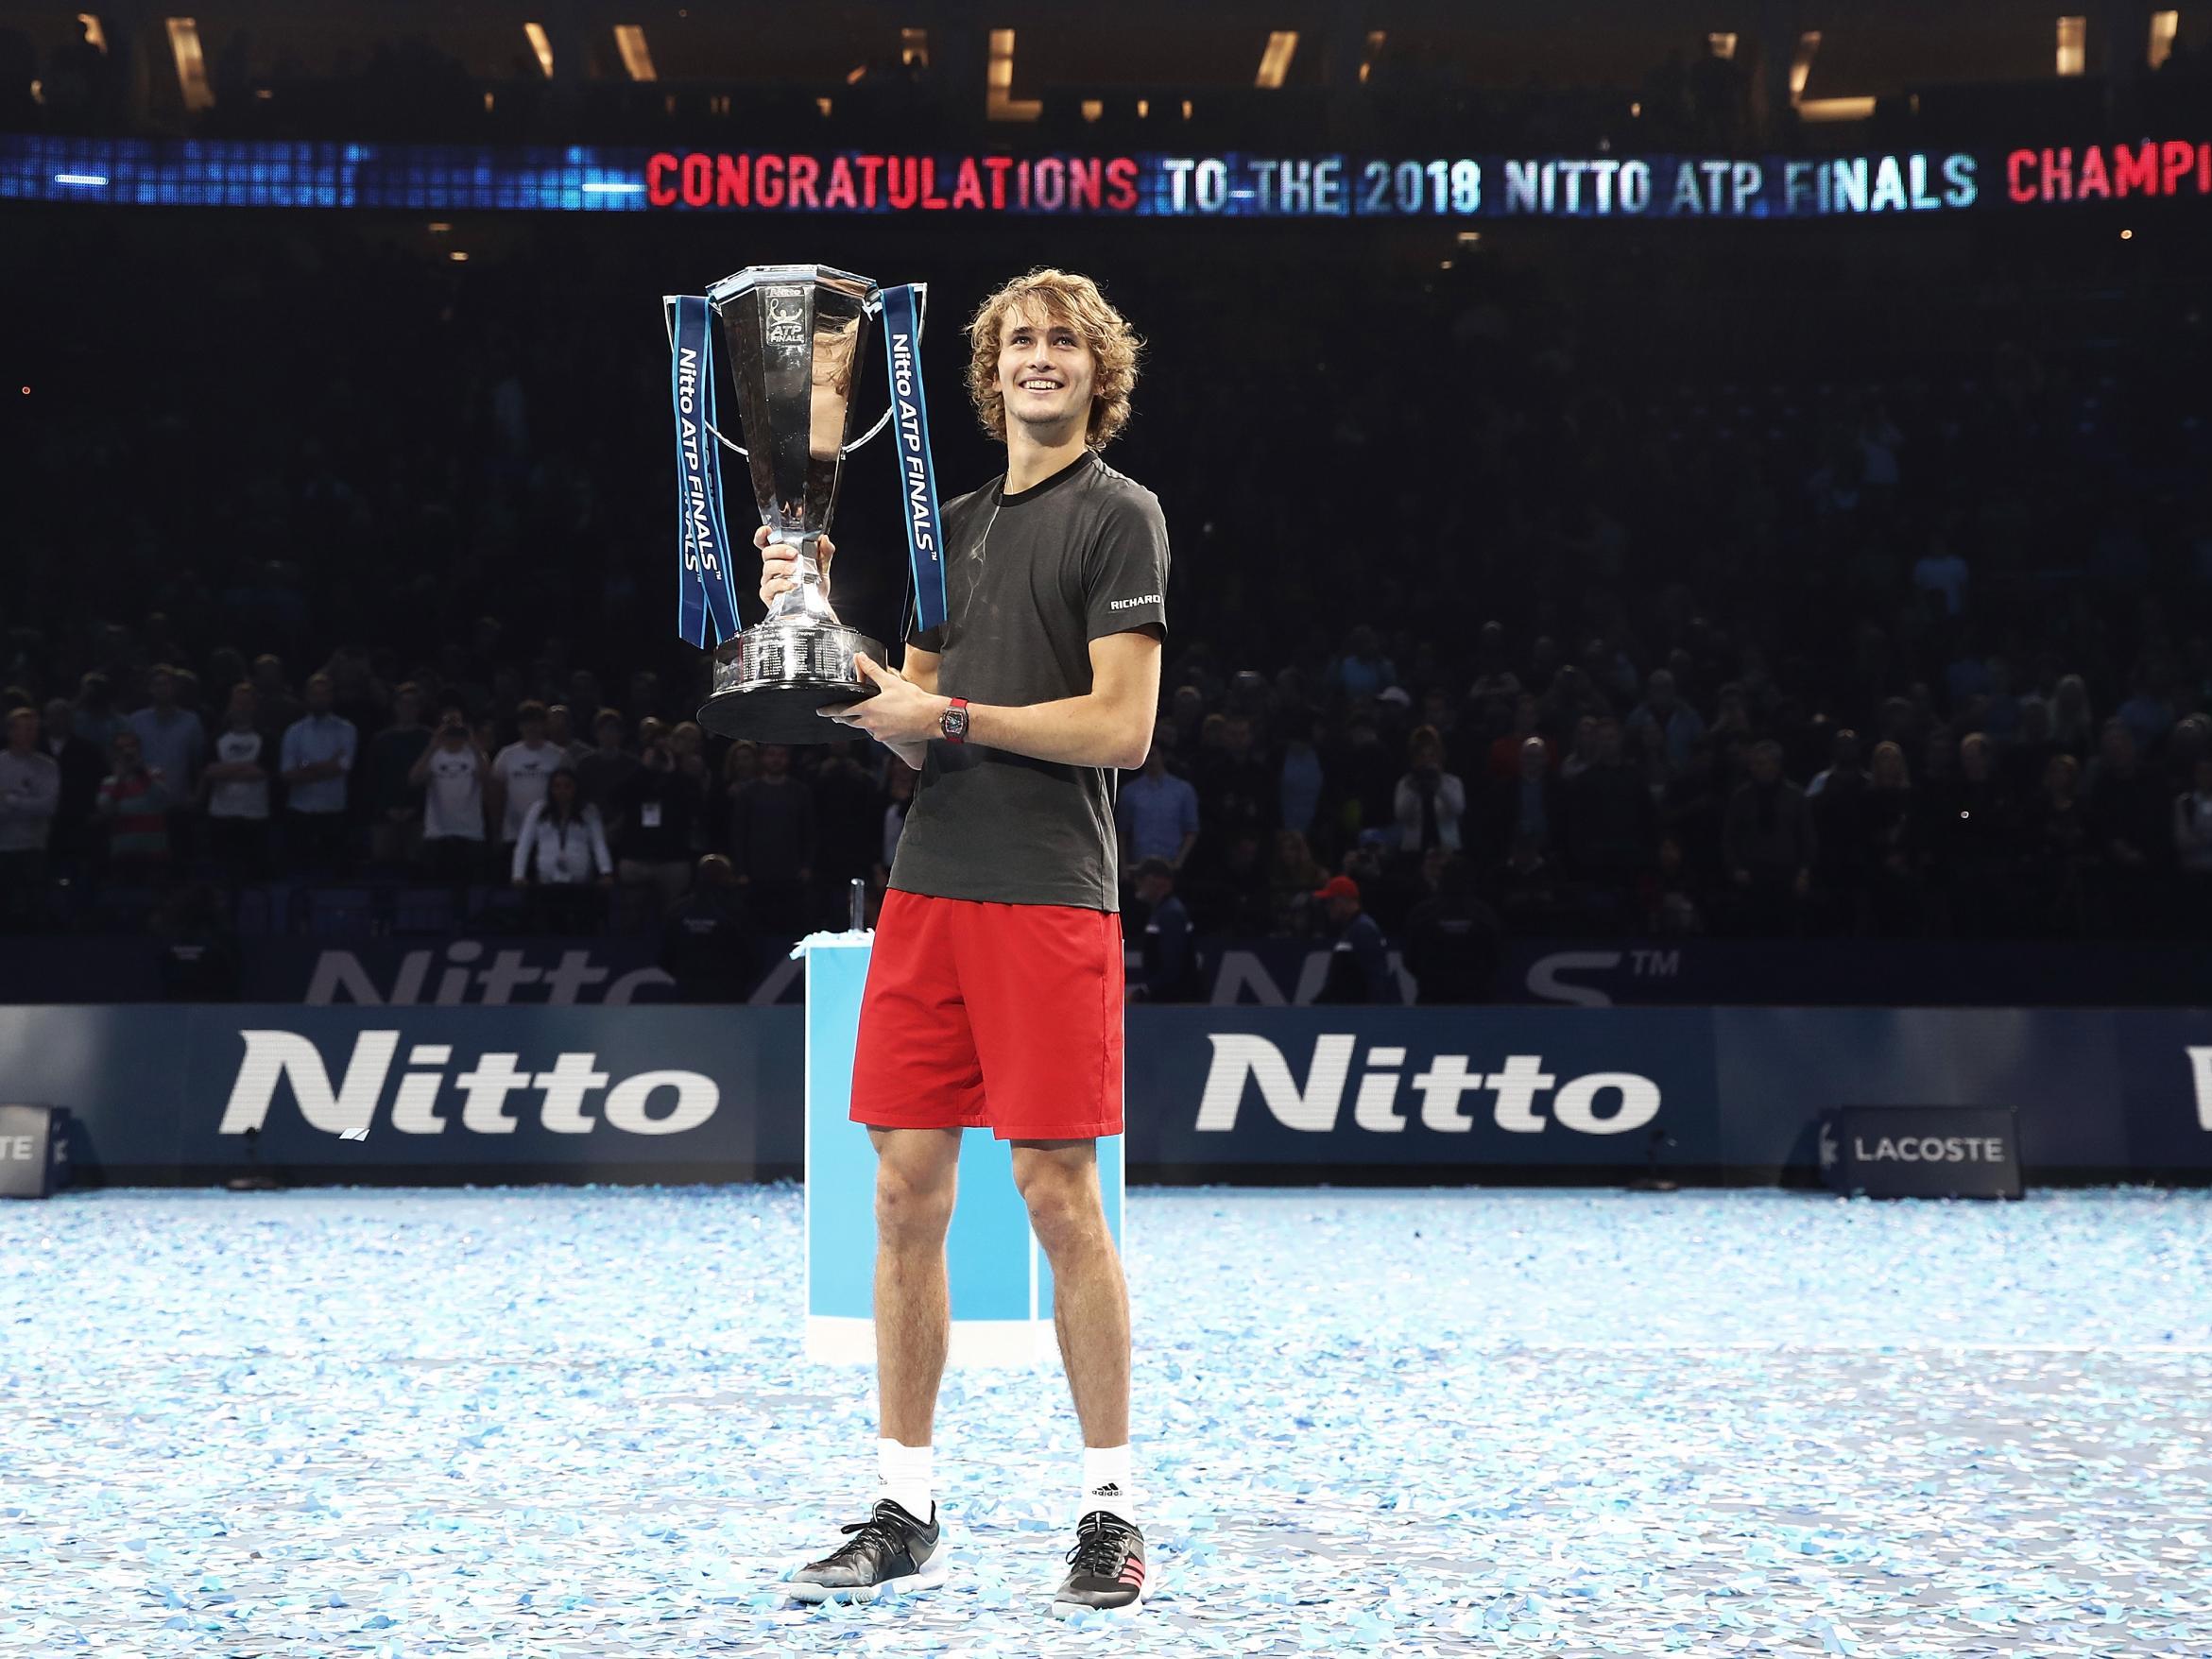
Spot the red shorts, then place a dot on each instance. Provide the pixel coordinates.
(1005, 1017)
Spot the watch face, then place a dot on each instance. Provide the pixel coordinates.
(956, 723)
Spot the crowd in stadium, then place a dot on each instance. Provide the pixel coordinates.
(1582, 645)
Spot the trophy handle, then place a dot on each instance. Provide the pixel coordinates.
(668, 331)
(875, 304)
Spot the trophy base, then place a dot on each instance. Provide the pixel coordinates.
(771, 679)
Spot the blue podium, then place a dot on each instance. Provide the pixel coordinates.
(1001, 1285)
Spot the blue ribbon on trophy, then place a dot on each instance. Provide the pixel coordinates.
(918, 472)
(706, 592)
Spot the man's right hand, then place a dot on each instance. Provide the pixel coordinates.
(780, 565)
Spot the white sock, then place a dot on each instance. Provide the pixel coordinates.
(1106, 1484)
(902, 1475)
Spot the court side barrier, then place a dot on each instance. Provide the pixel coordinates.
(199, 1092)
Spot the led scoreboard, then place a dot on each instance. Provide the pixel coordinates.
(1151, 184)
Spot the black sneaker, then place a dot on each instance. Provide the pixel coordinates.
(888, 1551)
(1105, 1569)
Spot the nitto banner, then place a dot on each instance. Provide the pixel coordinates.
(370, 1093)
(1231, 185)
(598, 1092)
(1405, 1086)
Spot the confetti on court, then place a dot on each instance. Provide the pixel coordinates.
(570, 1423)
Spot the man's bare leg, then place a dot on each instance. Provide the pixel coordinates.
(916, 1170)
(1091, 1312)
(1091, 1302)
(917, 1173)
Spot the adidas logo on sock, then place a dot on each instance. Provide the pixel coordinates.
(1108, 1489)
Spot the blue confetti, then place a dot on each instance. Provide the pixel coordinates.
(516, 1423)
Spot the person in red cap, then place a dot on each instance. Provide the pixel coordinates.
(1358, 967)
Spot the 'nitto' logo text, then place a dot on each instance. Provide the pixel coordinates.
(420, 1105)
(1599, 1102)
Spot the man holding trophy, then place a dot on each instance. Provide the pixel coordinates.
(995, 989)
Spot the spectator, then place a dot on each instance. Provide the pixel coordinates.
(1840, 808)
(2063, 848)
(1237, 789)
(395, 804)
(1300, 783)
(171, 738)
(1663, 707)
(1157, 812)
(1583, 754)
(316, 760)
(1363, 670)
(273, 691)
(1671, 907)
(687, 741)
(2192, 847)
(235, 789)
(606, 770)
(2129, 818)
(661, 810)
(1452, 940)
(703, 940)
(1359, 964)
(2190, 742)
(1525, 888)
(1895, 856)
(1529, 808)
(1494, 675)
(2026, 762)
(69, 847)
(561, 856)
(1171, 962)
(1972, 834)
(561, 733)
(1229, 893)
(1508, 757)
(1291, 878)
(1771, 847)
(1650, 757)
(772, 845)
(1732, 710)
(741, 764)
(1612, 828)
(96, 718)
(30, 794)
(2147, 714)
(520, 773)
(848, 829)
(451, 774)
(134, 802)
(1942, 571)
(1430, 801)
(2072, 725)
(357, 696)
(1363, 776)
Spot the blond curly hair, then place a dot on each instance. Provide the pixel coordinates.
(1064, 298)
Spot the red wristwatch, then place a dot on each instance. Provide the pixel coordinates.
(953, 722)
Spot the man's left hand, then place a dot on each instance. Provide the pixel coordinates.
(899, 713)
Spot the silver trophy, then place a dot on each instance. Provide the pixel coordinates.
(797, 337)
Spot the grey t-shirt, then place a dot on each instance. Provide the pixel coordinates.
(1030, 580)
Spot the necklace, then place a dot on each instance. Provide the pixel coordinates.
(975, 556)
(983, 542)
